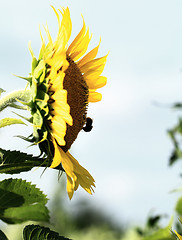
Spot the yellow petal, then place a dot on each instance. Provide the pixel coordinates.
(61, 157)
(57, 15)
(57, 61)
(60, 95)
(89, 56)
(66, 23)
(57, 81)
(81, 48)
(63, 113)
(58, 126)
(96, 83)
(76, 174)
(94, 97)
(57, 158)
(64, 32)
(94, 65)
(70, 188)
(77, 40)
(49, 37)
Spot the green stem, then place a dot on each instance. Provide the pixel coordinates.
(21, 95)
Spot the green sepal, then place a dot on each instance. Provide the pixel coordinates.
(34, 88)
(28, 139)
(37, 119)
(42, 97)
(30, 120)
(39, 88)
(10, 121)
(29, 79)
(39, 69)
(34, 60)
(42, 77)
(13, 105)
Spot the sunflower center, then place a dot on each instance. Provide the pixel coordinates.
(77, 99)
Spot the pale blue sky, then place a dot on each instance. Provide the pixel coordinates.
(128, 149)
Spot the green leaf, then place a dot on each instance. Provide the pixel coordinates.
(3, 236)
(39, 69)
(10, 121)
(36, 232)
(179, 206)
(20, 201)
(12, 162)
(161, 234)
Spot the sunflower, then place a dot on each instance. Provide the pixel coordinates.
(63, 81)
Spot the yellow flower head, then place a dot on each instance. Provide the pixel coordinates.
(63, 81)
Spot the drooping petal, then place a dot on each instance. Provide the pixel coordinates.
(76, 174)
(70, 186)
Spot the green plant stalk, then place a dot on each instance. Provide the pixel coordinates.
(19, 95)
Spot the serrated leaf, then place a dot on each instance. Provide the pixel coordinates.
(36, 232)
(21, 201)
(3, 236)
(12, 162)
(10, 121)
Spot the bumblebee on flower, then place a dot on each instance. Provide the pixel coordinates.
(62, 83)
